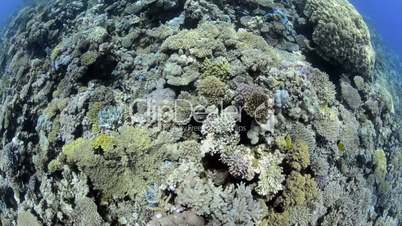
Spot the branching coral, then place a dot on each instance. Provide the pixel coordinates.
(103, 142)
(229, 206)
(240, 162)
(220, 133)
(110, 117)
(271, 174)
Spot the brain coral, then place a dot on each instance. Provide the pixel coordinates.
(340, 34)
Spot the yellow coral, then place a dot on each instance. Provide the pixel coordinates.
(104, 142)
(54, 165)
(284, 143)
(219, 68)
(78, 152)
(127, 167)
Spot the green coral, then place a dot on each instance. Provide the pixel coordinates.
(300, 190)
(55, 107)
(284, 143)
(380, 163)
(341, 147)
(92, 114)
(276, 219)
(56, 51)
(55, 131)
(219, 68)
(103, 142)
(213, 89)
(86, 213)
(340, 34)
(126, 169)
(89, 58)
(134, 139)
(54, 165)
(300, 156)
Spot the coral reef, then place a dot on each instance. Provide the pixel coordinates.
(197, 112)
(340, 34)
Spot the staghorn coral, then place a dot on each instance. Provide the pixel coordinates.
(240, 162)
(220, 133)
(340, 34)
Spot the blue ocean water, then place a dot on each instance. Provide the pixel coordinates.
(384, 15)
(386, 18)
(8, 8)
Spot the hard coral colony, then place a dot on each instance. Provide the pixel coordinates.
(197, 112)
